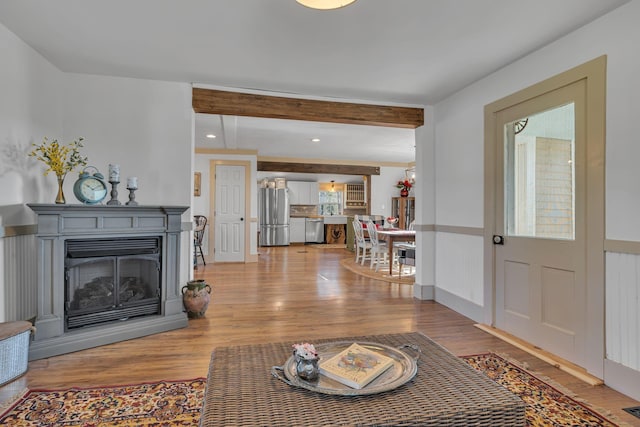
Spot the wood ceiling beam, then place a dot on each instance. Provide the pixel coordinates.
(211, 101)
(317, 168)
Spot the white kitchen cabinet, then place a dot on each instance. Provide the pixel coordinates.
(296, 230)
(303, 193)
(295, 189)
(314, 193)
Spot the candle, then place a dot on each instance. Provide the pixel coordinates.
(132, 182)
(114, 173)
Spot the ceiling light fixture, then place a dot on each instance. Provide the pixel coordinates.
(325, 4)
(210, 136)
(315, 139)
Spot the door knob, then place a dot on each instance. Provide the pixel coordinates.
(241, 219)
(498, 240)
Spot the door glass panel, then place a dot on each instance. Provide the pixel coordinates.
(540, 175)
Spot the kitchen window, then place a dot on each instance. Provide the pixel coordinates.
(330, 203)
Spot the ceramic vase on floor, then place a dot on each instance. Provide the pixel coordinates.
(196, 295)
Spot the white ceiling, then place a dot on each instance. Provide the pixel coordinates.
(400, 52)
(292, 138)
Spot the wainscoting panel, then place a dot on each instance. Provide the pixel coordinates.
(20, 276)
(459, 266)
(623, 309)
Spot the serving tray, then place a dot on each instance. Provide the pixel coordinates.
(404, 368)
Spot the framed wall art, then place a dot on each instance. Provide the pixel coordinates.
(197, 180)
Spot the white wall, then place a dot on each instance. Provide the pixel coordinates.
(425, 188)
(145, 126)
(31, 91)
(460, 140)
(383, 189)
(142, 125)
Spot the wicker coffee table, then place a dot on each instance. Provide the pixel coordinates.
(446, 391)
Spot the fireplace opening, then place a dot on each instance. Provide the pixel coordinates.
(110, 280)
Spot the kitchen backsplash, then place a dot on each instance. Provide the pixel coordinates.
(299, 210)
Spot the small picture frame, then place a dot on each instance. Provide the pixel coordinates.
(197, 179)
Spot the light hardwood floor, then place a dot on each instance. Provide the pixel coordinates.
(293, 293)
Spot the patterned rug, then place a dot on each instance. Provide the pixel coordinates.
(545, 405)
(177, 403)
(166, 403)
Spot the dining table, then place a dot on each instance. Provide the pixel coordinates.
(394, 235)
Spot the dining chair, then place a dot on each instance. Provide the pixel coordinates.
(406, 258)
(404, 248)
(199, 225)
(378, 249)
(362, 245)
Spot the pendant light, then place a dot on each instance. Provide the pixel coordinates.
(325, 4)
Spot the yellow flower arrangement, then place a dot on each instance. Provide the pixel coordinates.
(60, 159)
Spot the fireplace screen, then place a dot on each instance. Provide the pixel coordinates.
(111, 280)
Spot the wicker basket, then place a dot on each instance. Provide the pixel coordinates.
(14, 349)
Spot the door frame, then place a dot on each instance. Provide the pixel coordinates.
(594, 74)
(212, 206)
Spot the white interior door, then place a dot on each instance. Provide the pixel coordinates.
(229, 214)
(540, 269)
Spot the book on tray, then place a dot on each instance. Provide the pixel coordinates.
(355, 366)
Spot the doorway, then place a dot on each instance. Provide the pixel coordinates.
(224, 103)
(229, 200)
(544, 263)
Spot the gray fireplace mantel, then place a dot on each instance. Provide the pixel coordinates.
(56, 224)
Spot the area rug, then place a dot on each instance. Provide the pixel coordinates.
(178, 403)
(382, 273)
(545, 405)
(328, 246)
(165, 403)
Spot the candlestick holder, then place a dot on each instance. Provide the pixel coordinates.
(114, 194)
(132, 197)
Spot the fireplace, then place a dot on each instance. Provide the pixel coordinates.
(110, 280)
(107, 274)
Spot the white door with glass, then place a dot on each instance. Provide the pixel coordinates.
(229, 218)
(540, 263)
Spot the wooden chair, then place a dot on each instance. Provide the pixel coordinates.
(362, 245)
(379, 249)
(199, 225)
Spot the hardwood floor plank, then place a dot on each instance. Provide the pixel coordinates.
(291, 294)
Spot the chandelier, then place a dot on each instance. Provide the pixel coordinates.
(325, 4)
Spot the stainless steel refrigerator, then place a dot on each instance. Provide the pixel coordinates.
(273, 212)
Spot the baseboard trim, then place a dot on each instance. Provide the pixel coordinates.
(423, 292)
(459, 304)
(560, 363)
(622, 379)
